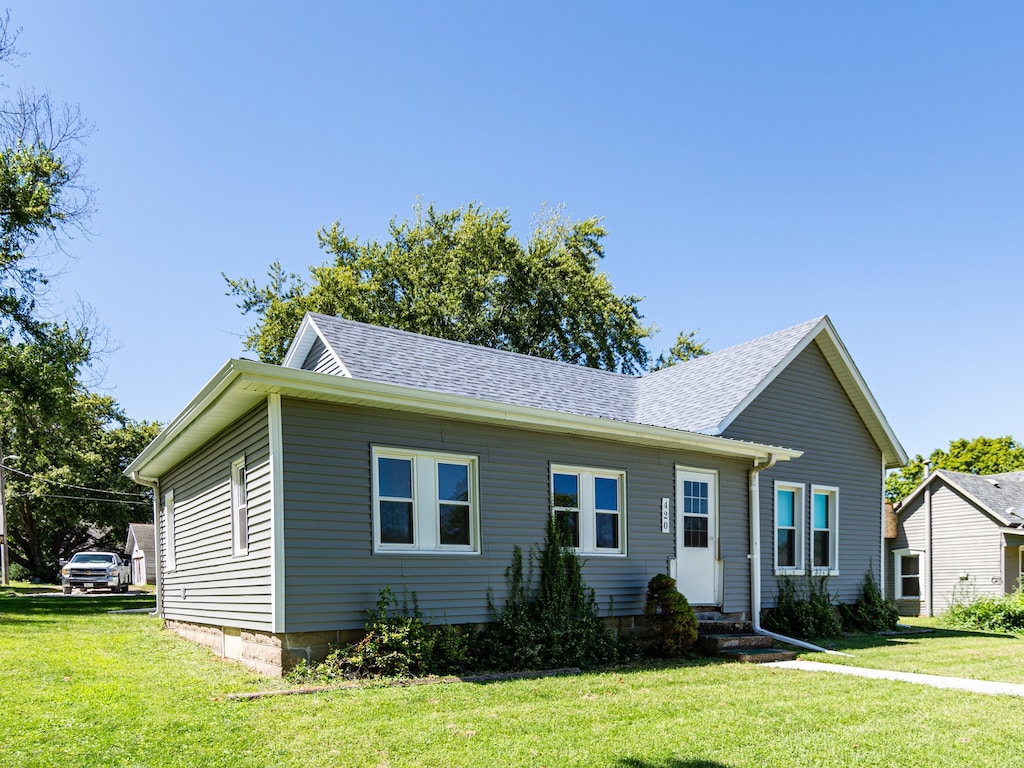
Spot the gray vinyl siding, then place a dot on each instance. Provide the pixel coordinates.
(966, 542)
(220, 588)
(320, 359)
(806, 408)
(333, 577)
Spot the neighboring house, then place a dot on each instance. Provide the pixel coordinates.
(959, 536)
(289, 496)
(140, 549)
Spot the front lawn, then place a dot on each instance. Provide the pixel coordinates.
(82, 687)
(933, 650)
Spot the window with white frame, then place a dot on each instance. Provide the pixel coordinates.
(239, 507)
(425, 501)
(907, 567)
(590, 507)
(169, 554)
(790, 521)
(825, 529)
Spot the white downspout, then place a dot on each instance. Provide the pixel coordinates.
(155, 487)
(755, 563)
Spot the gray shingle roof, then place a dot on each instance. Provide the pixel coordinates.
(695, 396)
(1002, 494)
(700, 394)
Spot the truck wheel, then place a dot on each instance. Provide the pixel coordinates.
(67, 590)
(124, 588)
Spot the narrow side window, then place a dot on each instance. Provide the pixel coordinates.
(239, 507)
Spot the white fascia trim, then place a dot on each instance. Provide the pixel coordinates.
(306, 336)
(823, 326)
(240, 384)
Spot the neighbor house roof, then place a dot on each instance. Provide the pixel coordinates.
(1000, 495)
(140, 534)
(703, 395)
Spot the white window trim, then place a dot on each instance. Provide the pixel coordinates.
(833, 569)
(239, 508)
(426, 521)
(588, 512)
(170, 556)
(897, 556)
(799, 523)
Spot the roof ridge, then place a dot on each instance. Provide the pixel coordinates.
(481, 347)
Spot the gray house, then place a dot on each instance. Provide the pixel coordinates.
(288, 496)
(958, 536)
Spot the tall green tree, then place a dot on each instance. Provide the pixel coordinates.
(65, 490)
(44, 199)
(980, 456)
(686, 347)
(462, 275)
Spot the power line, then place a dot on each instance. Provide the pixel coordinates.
(92, 498)
(70, 485)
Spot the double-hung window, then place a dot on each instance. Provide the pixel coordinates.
(908, 574)
(239, 507)
(590, 507)
(790, 516)
(825, 529)
(424, 501)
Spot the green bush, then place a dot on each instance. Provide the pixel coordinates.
(990, 614)
(803, 608)
(871, 612)
(558, 626)
(670, 621)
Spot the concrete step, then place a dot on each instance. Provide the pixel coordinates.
(758, 655)
(723, 627)
(719, 643)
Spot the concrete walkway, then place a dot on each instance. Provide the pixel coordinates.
(937, 681)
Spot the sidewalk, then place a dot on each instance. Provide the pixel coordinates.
(937, 681)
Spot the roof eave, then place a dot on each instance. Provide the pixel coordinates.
(241, 385)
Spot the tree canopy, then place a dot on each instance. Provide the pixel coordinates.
(462, 275)
(68, 441)
(980, 456)
(686, 347)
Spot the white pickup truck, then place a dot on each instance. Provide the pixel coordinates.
(95, 570)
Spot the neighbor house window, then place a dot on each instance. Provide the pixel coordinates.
(239, 507)
(425, 501)
(169, 559)
(908, 574)
(590, 507)
(790, 517)
(825, 529)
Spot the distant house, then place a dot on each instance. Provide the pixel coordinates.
(289, 496)
(140, 549)
(958, 536)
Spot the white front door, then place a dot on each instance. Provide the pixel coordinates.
(697, 536)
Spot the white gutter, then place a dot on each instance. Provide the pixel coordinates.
(755, 563)
(155, 487)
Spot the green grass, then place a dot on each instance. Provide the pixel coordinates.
(80, 687)
(937, 651)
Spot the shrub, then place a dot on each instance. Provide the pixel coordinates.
(803, 608)
(990, 614)
(558, 626)
(671, 624)
(871, 612)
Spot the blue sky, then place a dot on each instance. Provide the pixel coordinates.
(756, 165)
